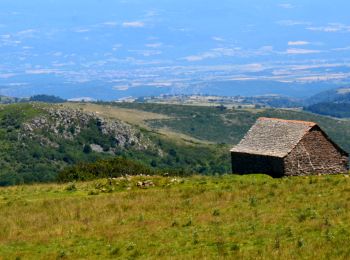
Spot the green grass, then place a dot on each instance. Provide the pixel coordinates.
(236, 217)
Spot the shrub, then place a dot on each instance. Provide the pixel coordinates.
(216, 212)
(113, 168)
(87, 148)
(71, 187)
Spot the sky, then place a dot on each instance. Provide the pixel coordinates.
(107, 49)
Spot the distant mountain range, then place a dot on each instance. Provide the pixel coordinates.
(107, 91)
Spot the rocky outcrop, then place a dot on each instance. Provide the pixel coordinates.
(69, 123)
(123, 133)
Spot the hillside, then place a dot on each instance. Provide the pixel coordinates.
(334, 109)
(335, 103)
(40, 140)
(341, 95)
(228, 126)
(240, 217)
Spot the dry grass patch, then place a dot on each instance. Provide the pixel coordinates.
(131, 116)
(136, 117)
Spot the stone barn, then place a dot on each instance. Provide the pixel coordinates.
(287, 147)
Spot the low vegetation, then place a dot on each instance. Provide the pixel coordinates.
(142, 217)
(39, 154)
(46, 99)
(112, 168)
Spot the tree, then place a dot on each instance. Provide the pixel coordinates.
(87, 149)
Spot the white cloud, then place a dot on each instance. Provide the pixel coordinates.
(200, 57)
(110, 23)
(181, 29)
(324, 77)
(218, 39)
(8, 40)
(134, 24)
(160, 84)
(252, 67)
(7, 75)
(301, 51)
(57, 54)
(42, 71)
(331, 27)
(286, 6)
(298, 43)
(152, 13)
(226, 51)
(30, 33)
(292, 22)
(264, 50)
(342, 49)
(121, 88)
(81, 30)
(147, 53)
(154, 45)
(17, 84)
(64, 64)
(117, 46)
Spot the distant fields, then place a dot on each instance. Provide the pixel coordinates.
(236, 217)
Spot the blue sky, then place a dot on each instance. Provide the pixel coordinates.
(90, 47)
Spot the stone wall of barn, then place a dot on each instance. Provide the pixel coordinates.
(243, 163)
(315, 154)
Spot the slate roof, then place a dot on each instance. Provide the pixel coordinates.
(273, 137)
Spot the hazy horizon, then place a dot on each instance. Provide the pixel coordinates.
(110, 49)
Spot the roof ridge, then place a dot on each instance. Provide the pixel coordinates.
(309, 123)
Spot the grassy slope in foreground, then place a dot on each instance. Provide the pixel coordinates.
(198, 217)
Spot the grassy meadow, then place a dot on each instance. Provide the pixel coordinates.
(234, 217)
